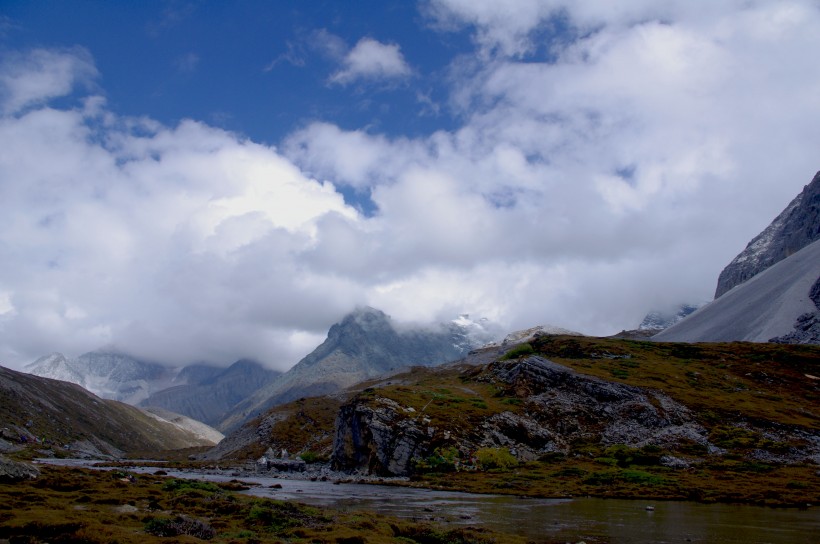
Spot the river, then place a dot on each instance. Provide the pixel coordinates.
(611, 520)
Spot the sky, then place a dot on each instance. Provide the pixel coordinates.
(205, 181)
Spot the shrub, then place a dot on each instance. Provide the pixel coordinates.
(183, 485)
(312, 457)
(180, 525)
(495, 458)
(442, 460)
(518, 351)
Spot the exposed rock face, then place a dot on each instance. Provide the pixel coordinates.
(379, 440)
(365, 344)
(562, 408)
(795, 228)
(807, 326)
(12, 471)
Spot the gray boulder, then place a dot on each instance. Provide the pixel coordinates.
(13, 471)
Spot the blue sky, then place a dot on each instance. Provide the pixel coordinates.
(214, 180)
(262, 69)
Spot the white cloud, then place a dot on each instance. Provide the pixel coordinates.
(618, 176)
(179, 243)
(372, 60)
(42, 74)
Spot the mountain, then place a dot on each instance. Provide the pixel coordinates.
(764, 307)
(526, 335)
(795, 228)
(63, 417)
(657, 320)
(365, 344)
(106, 373)
(208, 393)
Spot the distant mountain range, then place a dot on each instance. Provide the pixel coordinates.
(364, 344)
(771, 291)
(209, 393)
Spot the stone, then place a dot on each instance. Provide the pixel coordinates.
(14, 471)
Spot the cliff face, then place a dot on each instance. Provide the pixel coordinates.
(795, 228)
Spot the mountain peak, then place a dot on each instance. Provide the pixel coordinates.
(795, 228)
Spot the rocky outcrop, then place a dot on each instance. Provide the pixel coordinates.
(795, 228)
(12, 471)
(378, 438)
(562, 408)
(570, 407)
(807, 326)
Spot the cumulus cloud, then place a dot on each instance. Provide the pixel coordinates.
(592, 185)
(175, 243)
(371, 60)
(585, 185)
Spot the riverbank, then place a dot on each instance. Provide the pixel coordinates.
(73, 504)
(730, 482)
(453, 516)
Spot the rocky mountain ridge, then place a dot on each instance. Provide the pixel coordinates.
(364, 344)
(795, 228)
(563, 407)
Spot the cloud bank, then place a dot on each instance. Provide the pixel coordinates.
(598, 172)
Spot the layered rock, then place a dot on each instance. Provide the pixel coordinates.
(795, 228)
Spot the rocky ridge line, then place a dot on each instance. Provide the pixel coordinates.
(795, 228)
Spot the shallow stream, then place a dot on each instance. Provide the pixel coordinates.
(611, 520)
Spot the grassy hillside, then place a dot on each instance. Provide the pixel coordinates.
(50, 414)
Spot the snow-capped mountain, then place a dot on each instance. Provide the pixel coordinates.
(107, 374)
(469, 333)
(795, 228)
(525, 335)
(659, 320)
